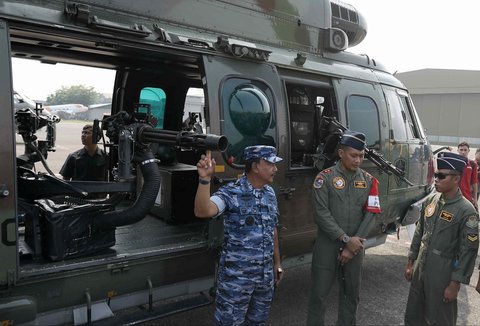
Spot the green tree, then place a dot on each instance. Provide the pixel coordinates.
(80, 94)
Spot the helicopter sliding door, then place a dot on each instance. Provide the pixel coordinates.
(309, 97)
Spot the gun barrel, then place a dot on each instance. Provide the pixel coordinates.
(184, 139)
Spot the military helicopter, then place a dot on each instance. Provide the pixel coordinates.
(275, 73)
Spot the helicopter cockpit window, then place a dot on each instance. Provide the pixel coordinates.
(155, 98)
(362, 113)
(412, 128)
(398, 118)
(248, 112)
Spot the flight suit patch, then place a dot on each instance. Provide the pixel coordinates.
(429, 210)
(444, 215)
(338, 183)
(327, 171)
(472, 222)
(472, 237)
(360, 184)
(318, 183)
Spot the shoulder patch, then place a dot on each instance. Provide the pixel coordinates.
(327, 171)
(318, 183)
(472, 222)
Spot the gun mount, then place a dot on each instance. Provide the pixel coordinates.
(28, 122)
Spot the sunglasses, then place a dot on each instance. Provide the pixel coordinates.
(442, 176)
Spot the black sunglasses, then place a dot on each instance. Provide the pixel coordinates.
(442, 176)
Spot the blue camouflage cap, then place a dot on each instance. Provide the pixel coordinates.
(353, 139)
(451, 161)
(268, 153)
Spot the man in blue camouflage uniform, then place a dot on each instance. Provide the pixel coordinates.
(444, 248)
(250, 259)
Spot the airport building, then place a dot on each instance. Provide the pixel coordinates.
(447, 102)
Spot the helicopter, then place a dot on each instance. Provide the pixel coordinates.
(271, 73)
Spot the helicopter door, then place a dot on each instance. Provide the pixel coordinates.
(406, 135)
(362, 108)
(8, 212)
(243, 103)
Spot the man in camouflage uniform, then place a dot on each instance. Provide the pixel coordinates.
(443, 250)
(345, 203)
(250, 259)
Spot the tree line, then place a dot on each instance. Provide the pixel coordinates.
(80, 94)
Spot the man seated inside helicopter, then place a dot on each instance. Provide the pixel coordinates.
(88, 163)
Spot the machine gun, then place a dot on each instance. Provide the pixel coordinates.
(143, 133)
(373, 156)
(133, 133)
(28, 121)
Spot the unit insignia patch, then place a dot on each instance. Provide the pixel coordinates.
(338, 183)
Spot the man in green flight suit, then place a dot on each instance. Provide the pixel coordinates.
(345, 203)
(443, 250)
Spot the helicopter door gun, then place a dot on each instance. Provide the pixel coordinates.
(331, 123)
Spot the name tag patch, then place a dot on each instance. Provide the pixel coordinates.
(444, 215)
(360, 184)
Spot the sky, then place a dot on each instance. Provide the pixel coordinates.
(408, 35)
(29, 78)
(404, 35)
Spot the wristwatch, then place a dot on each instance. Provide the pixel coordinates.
(203, 181)
(345, 238)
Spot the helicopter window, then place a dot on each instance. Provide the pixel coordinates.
(155, 98)
(193, 112)
(362, 113)
(412, 129)
(398, 118)
(248, 113)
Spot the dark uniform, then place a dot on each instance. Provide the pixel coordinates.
(444, 249)
(245, 276)
(83, 167)
(344, 203)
